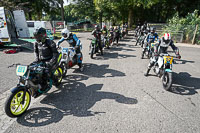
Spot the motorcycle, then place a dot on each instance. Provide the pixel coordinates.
(121, 35)
(163, 68)
(124, 32)
(111, 37)
(148, 51)
(137, 31)
(106, 42)
(94, 47)
(140, 40)
(31, 81)
(70, 59)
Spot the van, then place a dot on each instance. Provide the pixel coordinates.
(33, 25)
(4, 36)
(12, 27)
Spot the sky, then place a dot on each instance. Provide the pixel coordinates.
(67, 3)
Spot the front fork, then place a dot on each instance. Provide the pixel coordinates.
(80, 58)
(25, 87)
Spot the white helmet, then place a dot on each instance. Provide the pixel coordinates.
(167, 36)
(65, 32)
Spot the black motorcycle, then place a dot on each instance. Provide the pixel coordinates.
(33, 81)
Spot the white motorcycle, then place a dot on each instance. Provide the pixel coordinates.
(70, 58)
(163, 68)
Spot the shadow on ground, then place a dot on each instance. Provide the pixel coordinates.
(112, 53)
(100, 71)
(73, 98)
(185, 84)
(180, 61)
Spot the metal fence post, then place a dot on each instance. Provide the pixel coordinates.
(195, 32)
(181, 40)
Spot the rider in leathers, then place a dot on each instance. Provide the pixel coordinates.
(160, 49)
(46, 52)
(116, 34)
(97, 35)
(142, 31)
(74, 42)
(104, 32)
(150, 38)
(111, 34)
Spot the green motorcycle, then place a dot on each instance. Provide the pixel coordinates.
(94, 47)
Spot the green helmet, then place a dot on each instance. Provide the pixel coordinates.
(40, 34)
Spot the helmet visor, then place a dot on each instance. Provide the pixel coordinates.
(39, 38)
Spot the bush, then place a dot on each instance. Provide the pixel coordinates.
(187, 25)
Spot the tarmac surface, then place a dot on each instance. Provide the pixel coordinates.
(111, 94)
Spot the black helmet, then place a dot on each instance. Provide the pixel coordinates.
(152, 29)
(40, 34)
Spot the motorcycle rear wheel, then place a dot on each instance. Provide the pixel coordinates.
(58, 76)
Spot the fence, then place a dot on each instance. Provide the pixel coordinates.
(83, 27)
(180, 33)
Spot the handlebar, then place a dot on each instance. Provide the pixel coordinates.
(14, 65)
(34, 66)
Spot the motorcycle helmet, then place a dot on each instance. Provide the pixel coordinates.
(65, 33)
(40, 35)
(166, 37)
(152, 30)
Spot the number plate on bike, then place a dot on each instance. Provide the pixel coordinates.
(168, 59)
(153, 44)
(21, 70)
(65, 50)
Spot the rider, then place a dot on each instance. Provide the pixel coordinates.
(111, 34)
(46, 52)
(150, 38)
(104, 33)
(116, 34)
(74, 42)
(161, 48)
(125, 28)
(97, 34)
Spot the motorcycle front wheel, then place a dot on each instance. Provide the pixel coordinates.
(167, 81)
(92, 53)
(107, 44)
(14, 106)
(137, 41)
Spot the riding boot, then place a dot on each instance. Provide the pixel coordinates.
(143, 51)
(146, 74)
(101, 51)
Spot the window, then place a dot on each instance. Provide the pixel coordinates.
(30, 24)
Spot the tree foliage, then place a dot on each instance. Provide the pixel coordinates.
(116, 11)
(186, 24)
